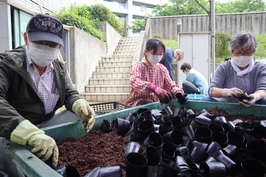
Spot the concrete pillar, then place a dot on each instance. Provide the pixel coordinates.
(129, 16)
(5, 27)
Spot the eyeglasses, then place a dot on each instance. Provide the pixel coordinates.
(47, 43)
(242, 52)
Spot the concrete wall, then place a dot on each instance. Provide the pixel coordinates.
(112, 37)
(144, 36)
(85, 53)
(229, 23)
(5, 28)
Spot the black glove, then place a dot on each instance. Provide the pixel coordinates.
(182, 98)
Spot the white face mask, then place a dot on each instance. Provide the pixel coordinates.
(41, 55)
(242, 61)
(154, 59)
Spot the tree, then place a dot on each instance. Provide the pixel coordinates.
(87, 18)
(180, 7)
(241, 6)
(137, 25)
(189, 7)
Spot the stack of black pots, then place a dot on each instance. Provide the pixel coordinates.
(180, 143)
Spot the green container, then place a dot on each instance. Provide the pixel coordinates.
(34, 167)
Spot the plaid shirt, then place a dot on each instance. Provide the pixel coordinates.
(44, 84)
(142, 76)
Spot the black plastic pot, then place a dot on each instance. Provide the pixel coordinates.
(253, 168)
(154, 139)
(154, 171)
(213, 169)
(112, 171)
(135, 164)
(132, 147)
(153, 155)
(106, 126)
(122, 126)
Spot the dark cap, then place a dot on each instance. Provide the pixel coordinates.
(43, 27)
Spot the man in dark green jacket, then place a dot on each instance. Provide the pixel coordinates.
(33, 85)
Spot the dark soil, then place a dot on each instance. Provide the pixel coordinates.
(94, 150)
(219, 111)
(107, 149)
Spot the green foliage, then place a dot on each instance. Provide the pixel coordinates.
(87, 18)
(180, 7)
(222, 41)
(72, 17)
(261, 52)
(171, 44)
(185, 7)
(102, 13)
(240, 6)
(137, 25)
(157, 36)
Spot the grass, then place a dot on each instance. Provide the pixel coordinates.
(171, 44)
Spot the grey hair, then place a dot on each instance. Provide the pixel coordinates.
(243, 40)
(181, 53)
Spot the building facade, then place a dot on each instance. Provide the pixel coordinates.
(129, 10)
(16, 13)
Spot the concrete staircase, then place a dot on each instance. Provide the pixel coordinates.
(110, 80)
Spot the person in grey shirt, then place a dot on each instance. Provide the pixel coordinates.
(241, 74)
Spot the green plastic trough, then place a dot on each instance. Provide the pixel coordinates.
(32, 166)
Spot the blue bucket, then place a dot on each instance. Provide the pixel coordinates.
(195, 96)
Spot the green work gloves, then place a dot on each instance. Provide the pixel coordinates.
(82, 108)
(43, 146)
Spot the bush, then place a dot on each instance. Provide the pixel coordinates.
(137, 25)
(157, 36)
(87, 18)
(171, 44)
(261, 52)
(222, 41)
(81, 23)
(101, 13)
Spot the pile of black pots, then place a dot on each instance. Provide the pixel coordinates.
(181, 143)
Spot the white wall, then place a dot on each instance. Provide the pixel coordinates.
(85, 53)
(5, 28)
(196, 48)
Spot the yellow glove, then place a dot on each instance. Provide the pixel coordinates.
(82, 108)
(43, 146)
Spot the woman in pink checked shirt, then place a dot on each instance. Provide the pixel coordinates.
(150, 80)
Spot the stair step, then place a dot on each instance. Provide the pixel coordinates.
(126, 49)
(124, 52)
(114, 63)
(110, 82)
(113, 69)
(113, 81)
(107, 89)
(110, 75)
(106, 97)
(117, 59)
